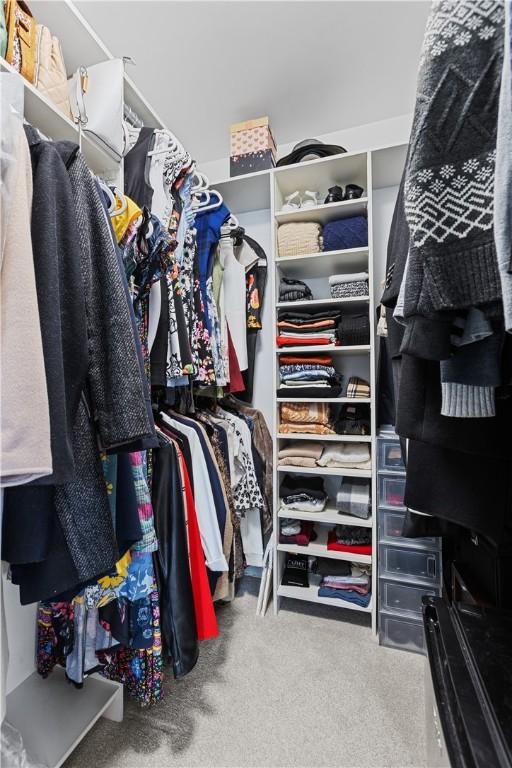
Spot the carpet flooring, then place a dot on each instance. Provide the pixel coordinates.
(303, 689)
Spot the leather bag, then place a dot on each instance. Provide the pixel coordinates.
(96, 97)
(21, 38)
(50, 71)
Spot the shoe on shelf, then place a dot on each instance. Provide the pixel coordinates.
(353, 192)
(335, 195)
(309, 199)
(292, 202)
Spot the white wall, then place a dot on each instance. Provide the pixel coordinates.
(370, 136)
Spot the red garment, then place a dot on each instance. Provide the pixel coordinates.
(297, 360)
(236, 382)
(206, 621)
(284, 341)
(363, 549)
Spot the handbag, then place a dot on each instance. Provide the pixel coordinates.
(96, 97)
(50, 71)
(21, 38)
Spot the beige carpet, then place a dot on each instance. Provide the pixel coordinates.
(305, 689)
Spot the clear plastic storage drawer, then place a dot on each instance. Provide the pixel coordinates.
(391, 491)
(409, 564)
(401, 632)
(402, 598)
(390, 531)
(390, 455)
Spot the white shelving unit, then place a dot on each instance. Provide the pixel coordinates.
(372, 170)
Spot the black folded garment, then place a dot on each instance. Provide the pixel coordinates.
(328, 391)
(293, 484)
(327, 566)
(299, 317)
(354, 329)
(353, 420)
(293, 290)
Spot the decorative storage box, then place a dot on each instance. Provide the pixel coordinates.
(252, 147)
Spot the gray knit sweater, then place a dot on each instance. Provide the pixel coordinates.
(452, 262)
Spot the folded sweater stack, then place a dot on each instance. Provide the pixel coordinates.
(346, 581)
(298, 532)
(298, 238)
(347, 286)
(294, 290)
(308, 328)
(341, 234)
(342, 455)
(350, 538)
(308, 376)
(311, 418)
(353, 497)
(354, 329)
(302, 493)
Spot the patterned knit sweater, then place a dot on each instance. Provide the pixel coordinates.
(450, 172)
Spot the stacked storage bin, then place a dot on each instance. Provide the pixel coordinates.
(408, 568)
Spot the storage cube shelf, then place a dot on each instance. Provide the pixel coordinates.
(318, 548)
(323, 263)
(324, 213)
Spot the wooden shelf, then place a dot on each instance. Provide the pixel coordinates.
(319, 303)
(318, 548)
(352, 400)
(356, 349)
(324, 213)
(311, 595)
(324, 263)
(334, 471)
(321, 438)
(328, 515)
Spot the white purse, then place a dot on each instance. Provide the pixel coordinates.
(96, 98)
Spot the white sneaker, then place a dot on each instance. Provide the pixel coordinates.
(292, 202)
(309, 199)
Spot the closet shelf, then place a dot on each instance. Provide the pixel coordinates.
(319, 303)
(335, 471)
(351, 400)
(328, 515)
(311, 595)
(356, 349)
(323, 263)
(321, 438)
(325, 212)
(44, 115)
(54, 716)
(318, 548)
(250, 192)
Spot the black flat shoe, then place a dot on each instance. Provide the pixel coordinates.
(335, 195)
(353, 191)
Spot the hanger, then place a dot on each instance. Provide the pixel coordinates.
(174, 147)
(112, 204)
(124, 203)
(214, 206)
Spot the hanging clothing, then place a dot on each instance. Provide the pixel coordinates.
(136, 169)
(25, 416)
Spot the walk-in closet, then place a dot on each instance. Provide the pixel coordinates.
(256, 383)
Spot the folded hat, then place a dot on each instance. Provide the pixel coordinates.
(310, 149)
